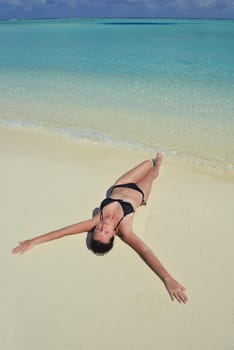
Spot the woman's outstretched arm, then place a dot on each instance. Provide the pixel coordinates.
(80, 227)
(175, 289)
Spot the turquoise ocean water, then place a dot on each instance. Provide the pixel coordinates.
(143, 84)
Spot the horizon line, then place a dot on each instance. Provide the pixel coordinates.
(115, 17)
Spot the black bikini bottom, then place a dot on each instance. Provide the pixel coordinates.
(133, 186)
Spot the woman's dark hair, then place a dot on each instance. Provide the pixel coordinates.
(101, 248)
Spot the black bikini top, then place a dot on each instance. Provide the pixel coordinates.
(126, 206)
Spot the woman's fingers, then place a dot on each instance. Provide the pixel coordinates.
(177, 296)
(22, 247)
(176, 290)
(180, 296)
(15, 250)
(171, 296)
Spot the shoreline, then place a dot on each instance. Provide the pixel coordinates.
(226, 175)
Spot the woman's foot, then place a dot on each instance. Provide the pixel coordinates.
(157, 163)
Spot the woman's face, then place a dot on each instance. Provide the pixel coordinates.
(104, 231)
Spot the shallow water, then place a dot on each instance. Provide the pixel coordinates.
(144, 84)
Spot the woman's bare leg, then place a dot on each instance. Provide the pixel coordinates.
(146, 183)
(136, 174)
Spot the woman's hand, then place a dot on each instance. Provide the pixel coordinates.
(176, 290)
(23, 246)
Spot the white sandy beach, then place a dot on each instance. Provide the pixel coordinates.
(61, 296)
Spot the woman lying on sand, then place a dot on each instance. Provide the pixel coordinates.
(115, 218)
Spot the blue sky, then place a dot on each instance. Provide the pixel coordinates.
(116, 8)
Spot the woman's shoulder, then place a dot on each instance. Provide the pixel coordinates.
(95, 219)
(125, 227)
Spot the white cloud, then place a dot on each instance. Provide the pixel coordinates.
(10, 2)
(154, 4)
(185, 4)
